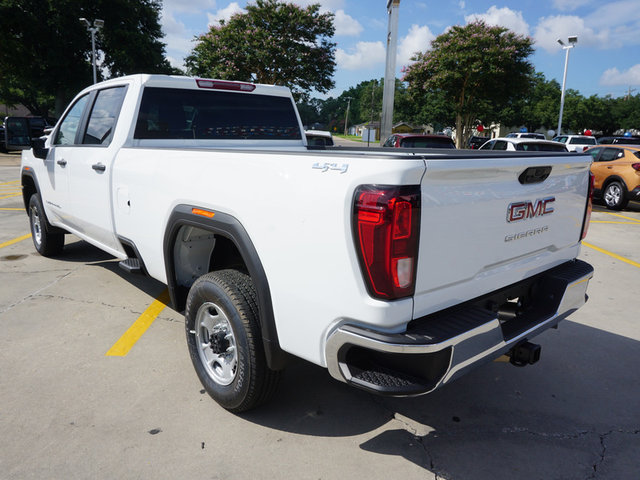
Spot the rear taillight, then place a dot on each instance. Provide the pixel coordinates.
(636, 166)
(587, 213)
(386, 224)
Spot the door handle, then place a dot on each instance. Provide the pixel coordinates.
(98, 167)
(62, 162)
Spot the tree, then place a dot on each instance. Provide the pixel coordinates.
(273, 43)
(46, 52)
(475, 67)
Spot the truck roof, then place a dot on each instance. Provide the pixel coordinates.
(194, 83)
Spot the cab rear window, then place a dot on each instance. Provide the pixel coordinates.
(172, 113)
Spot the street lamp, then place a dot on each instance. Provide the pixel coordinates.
(346, 120)
(97, 25)
(572, 43)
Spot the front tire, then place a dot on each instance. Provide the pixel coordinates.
(614, 196)
(225, 343)
(46, 243)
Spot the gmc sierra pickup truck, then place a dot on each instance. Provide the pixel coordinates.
(398, 271)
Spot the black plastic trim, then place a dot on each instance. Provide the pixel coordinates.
(230, 228)
(125, 242)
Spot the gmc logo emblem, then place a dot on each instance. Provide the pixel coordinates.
(523, 210)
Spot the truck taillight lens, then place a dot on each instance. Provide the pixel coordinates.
(587, 213)
(386, 224)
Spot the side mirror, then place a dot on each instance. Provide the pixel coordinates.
(39, 150)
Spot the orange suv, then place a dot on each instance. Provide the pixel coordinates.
(617, 174)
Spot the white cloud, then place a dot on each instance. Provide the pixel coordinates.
(502, 17)
(462, 5)
(225, 13)
(417, 40)
(366, 55)
(613, 76)
(569, 5)
(192, 6)
(550, 29)
(346, 25)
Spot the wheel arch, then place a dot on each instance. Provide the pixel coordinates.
(614, 178)
(233, 239)
(29, 186)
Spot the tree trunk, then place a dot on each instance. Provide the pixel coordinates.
(459, 131)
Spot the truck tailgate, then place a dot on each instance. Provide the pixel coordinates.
(485, 226)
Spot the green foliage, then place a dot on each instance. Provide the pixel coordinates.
(46, 52)
(475, 67)
(273, 43)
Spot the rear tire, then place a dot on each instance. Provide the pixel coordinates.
(225, 341)
(46, 243)
(615, 196)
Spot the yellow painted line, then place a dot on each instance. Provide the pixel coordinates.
(12, 209)
(12, 181)
(617, 223)
(9, 196)
(622, 216)
(15, 240)
(611, 254)
(135, 331)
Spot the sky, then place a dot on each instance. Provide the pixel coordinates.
(605, 61)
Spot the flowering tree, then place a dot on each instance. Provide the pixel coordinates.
(273, 43)
(479, 68)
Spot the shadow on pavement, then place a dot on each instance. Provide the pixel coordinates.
(551, 420)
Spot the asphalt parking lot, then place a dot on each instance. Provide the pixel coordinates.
(82, 395)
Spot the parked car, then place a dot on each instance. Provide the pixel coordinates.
(523, 145)
(318, 138)
(416, 140)
(476, 142)
(539, 136)
(576, 143)
(619, 140)
(616, 169)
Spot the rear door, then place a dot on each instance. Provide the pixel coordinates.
(607, 163)
(484, 225)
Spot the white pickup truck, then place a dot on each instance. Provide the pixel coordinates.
(397, 271)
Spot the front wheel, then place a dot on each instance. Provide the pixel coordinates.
(614, 196)
(47, 244)
(225, 343)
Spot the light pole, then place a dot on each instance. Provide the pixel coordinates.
(572, 43)
(346, 120)
(388, 93)
(97, 25)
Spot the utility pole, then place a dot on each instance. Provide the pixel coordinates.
(346, 120)
(373, 91)
(629, 92)
(389, 91)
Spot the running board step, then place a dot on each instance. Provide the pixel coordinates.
(131, 265)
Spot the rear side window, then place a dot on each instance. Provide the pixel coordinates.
(103, 116)
(610, 154)
(172, 113)
(540, 147)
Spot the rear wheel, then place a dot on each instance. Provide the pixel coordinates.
(615, 196)
(225, 343)
(47, 244)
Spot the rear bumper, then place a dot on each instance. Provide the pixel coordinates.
(441, 347)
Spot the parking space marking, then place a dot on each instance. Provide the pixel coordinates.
(15, 240)
(616, 223)
(135, 331)
(12, 209)
(635, 220)
(611, 254)
(10, 196)
(9, 183)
